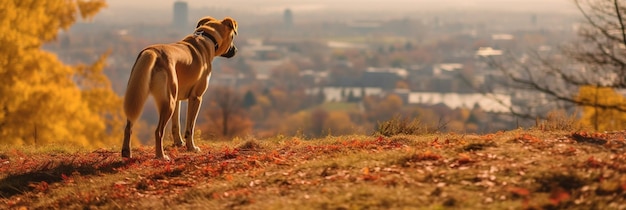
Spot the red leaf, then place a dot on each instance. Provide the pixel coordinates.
(523, 192)
(41, 186)
(558, 195)
(464, 159)
(593, 162)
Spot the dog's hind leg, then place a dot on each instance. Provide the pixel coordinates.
(193, 106)
(166, 108)
(126, 146)
(136, 93)
(178, 142)
(164, 91)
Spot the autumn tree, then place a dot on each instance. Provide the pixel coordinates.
(284, 100)
(287, 76)
(298, 123)
(249, 99)
(43, 100)
(317, 123)
(598, 117)
(381, 109)
(261, 108)
(338, 123)
(318, 120)
(225, 115)
(561, 80)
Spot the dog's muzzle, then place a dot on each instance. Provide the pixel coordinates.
(231, 52)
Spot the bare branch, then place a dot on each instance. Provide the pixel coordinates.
(621, 22)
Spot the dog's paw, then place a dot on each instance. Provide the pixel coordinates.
(179, 144)
(193, 149)
(164, 157)
(126, 153)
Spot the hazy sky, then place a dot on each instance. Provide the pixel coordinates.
(130, 11)
(271, 5)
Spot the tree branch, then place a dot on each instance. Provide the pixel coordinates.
(621, 22)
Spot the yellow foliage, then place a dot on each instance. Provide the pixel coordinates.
(602, 119)
(299, 122)
(333, 123)
(43, 100)
(464, 114)
(339, 123)
(382, 109)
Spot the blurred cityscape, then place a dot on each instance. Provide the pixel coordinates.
(320, 56)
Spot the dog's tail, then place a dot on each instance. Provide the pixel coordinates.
(138, 87)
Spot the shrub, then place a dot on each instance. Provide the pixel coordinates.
(403, 125)
(558, 120)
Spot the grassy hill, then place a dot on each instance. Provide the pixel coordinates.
(504, 170)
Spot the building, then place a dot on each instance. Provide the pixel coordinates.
(497, 103)
(288, 18)
(181, 15)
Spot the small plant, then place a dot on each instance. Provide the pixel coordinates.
(250, 145)
(558, 120)
(403, 125)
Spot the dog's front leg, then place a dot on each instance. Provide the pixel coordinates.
(193, 106)
(178, 142)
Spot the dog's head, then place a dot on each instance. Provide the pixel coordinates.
(204, 20)
(226, 29)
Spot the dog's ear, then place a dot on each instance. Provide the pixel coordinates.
(204, 20)
(228, 21)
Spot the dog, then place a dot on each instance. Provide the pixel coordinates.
(175, 72)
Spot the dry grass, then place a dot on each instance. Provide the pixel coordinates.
(559, 121)
(514, 169)
(398, 125)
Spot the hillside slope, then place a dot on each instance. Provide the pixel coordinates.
(514, 169)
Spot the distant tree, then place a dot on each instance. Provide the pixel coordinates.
(380, 49)
(320, 96)
(454, 125)
(597, 59)
(287, 76)
(225, 117)
(398, 62)
(295, 123)
(41, 99)
(477, 115)
(338, 123)
(261, 110)
(283, 101)
(392, 48)
(344, 94)
(382, 109)
(408, 46)
(249, 99)
(318, 121)
(351, 98)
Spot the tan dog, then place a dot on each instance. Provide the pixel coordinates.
(175, 72)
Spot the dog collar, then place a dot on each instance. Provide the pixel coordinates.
(208, 36)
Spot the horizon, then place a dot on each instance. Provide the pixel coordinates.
(141, 10)
(529, 5)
